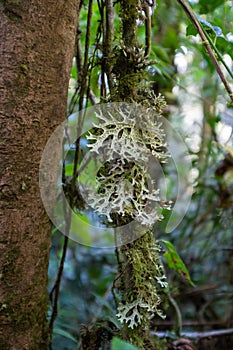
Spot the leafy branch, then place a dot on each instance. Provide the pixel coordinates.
(208, 44)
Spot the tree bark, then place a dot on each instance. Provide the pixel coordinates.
(36, 46)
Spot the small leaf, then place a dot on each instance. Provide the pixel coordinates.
(210, 29)
(118, 344)
(65, 334)
(69, 168)
(73, 73)
(101, 301)
(161, 53)
(191, 30)
(175, 262)
(225, 46)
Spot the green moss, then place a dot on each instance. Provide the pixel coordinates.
(10, 106)
(13, 14)
(22, 81)
(24, 68)
(145, 284)
(43, 246)
(135, 336)
(129, 15)
(23, 315)
(14, 10)
(4, 342)
(10, 266)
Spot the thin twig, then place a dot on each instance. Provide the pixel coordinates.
(83, 89)
(178, 314)
(107, 46)
(147, 29)
(198, 335)
(54, 294)
(218, 53)
(79, 59)
(188, 10)
(84, 72)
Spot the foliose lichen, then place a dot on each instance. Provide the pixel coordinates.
(149, 280)
(126, 140)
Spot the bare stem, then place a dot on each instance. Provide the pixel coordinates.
(147, 29)
(109, 40)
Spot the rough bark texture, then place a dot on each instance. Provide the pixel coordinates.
(36, 39)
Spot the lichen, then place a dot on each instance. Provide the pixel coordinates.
(125, 139)
(149, 281)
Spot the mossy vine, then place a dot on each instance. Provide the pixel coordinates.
(141, 280)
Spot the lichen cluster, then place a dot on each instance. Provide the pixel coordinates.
(148, 278)
(128, 138)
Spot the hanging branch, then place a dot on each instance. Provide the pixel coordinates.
(188, 10)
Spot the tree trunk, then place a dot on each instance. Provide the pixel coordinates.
(37, 40)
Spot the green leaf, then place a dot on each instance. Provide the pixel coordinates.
(175, 262)
(73, 73)
(210, 29)
(101, 301)
(160, 53)
(191, 30)
(65, 334)
(118, 344)
(224, 46)
(209, 6)
(69, 168)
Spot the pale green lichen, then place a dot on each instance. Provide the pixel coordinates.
(149, 280)
(127, 136)
(132, 313)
